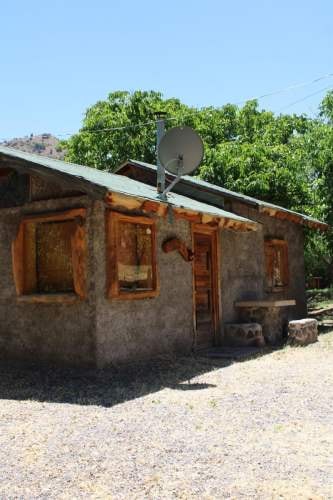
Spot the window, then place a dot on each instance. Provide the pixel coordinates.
(277, 272)
(131, 256)
(49, 255)
(54, 269)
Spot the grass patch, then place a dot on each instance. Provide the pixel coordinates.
(319, 298)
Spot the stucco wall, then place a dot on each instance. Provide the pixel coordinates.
(103, 331)
(243, 264)
(44, 332)
(143, 328)
(40, 189)
(242, 269)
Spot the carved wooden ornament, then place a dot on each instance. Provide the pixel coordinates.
(176, 244)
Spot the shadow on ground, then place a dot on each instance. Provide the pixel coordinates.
(109, 387)
(104, 387)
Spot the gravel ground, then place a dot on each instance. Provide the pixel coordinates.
(181, 428)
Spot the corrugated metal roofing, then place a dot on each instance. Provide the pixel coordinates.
(99, 183)
(218, 190)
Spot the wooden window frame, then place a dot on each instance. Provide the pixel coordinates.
(283, 245)
(25, 291)
(112, 245)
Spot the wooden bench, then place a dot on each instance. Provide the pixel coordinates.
(268, 314)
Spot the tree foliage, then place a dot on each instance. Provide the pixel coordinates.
(119, 128)
(284, 159)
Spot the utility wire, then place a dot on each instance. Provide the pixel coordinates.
(276, 92)
(304, 98)
(182, 118)
(291, 87)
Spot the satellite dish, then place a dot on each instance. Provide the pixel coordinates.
(180, 150)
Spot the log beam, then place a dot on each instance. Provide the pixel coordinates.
(134, 205)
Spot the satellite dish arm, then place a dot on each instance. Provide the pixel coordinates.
(171, 185)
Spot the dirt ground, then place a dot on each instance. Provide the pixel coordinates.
(182, 428)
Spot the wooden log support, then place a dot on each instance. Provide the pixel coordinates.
(182, 213)
(296, 218)
(79, 259)
(138, 206)
(176, 244)
(24, 253)
(17, 258)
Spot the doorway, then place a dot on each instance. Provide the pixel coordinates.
(205, 285)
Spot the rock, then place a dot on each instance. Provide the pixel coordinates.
(302, 332)
(244, 334)
(271, 319)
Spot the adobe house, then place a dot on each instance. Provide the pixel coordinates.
(96, 269)
(261, 273)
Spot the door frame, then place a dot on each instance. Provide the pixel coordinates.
(212, 231)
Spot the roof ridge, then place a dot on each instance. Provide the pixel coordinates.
(40, 157)
(102, 182)
(242, 197)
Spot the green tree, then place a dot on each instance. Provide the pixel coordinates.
(246, 149)
(262, 159)
(98, 146)
(285, 159)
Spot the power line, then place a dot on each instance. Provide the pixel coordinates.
(304, 98)
(111, 129)
(290, 87)
(276, 92)
(257, 98)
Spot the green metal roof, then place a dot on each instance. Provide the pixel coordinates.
(98, 183)
(215, 194)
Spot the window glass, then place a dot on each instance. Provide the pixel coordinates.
(135, 267)
(277, 267)
(49, 256)
(54, 268)
(276, 254)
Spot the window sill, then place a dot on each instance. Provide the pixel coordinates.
(278, 289)
(135, 295)
(49, 298)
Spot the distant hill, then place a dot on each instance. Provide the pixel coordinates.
(43, 144)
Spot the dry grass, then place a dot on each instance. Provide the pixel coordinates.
(184, 428)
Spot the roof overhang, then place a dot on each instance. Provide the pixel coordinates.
(179, 209)
(283, 214)
(121, 193)
(213, 192)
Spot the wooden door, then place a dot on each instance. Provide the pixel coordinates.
(205, 286)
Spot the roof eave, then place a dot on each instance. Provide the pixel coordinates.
(203, 213)
(25, 166)
(294, 217)
(268, 209)
(122, 201)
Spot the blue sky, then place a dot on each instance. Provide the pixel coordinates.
(58, 58)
